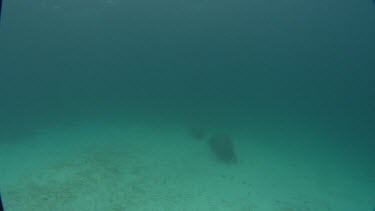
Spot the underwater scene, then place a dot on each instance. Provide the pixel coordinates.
(187, 105)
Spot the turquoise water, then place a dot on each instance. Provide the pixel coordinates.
(291, 82)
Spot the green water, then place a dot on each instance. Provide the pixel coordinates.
(275, 70)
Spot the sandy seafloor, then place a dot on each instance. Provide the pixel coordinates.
(101, 164)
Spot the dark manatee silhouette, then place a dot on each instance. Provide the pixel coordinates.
(1, 204)
(223, 148)
(1, 6)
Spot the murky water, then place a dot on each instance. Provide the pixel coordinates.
(296, 76)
